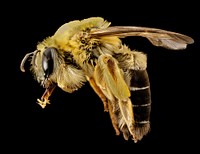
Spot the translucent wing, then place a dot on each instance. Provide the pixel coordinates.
(158, 37)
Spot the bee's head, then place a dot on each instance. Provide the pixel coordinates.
(42, 64)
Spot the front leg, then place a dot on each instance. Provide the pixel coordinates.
(45, 97)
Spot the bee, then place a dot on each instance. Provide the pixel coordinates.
(91, 50)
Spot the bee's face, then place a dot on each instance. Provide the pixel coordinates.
(44, 64)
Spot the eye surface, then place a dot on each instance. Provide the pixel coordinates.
(48, 61)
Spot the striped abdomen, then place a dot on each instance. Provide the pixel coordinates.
(141, 100)
(134, 66)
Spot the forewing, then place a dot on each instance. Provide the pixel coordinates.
(158, 37)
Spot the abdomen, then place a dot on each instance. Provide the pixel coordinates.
(141, 100)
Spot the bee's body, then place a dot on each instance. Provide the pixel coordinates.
(90, 50)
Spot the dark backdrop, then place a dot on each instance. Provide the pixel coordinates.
(74, 122)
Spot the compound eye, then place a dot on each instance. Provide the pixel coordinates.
(48, 61)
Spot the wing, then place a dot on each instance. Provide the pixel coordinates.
(158, 37)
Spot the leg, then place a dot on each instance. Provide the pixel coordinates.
(99, 93)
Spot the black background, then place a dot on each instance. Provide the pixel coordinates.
(74, 122)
